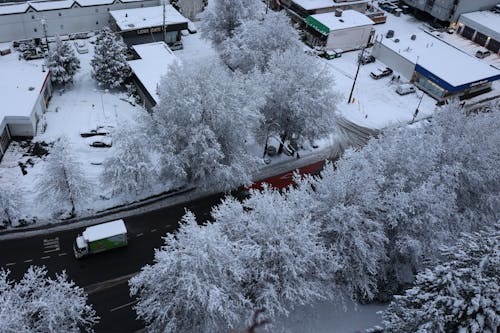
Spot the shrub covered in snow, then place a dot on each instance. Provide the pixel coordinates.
(62, 62)
(109, 64)
(461, 294)
(38, 303)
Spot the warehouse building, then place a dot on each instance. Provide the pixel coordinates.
(346, 30)
(483, 28)
(34, 19)
(144, 25)
(147, 71)
(437, 68)
(450, 10)
(25, 95)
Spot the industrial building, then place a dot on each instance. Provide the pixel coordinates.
(436, 67)
(144, 25)
(346, 30)
(450, 10)
(481, 27)
(26, 91)
(35, 19)
(304, 8)
(147, 71)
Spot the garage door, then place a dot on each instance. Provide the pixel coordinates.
(480, 38)
(468, 32)
(4, 141)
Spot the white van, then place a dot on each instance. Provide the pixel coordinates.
(405, 89)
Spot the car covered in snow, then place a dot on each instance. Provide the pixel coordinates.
(366, 59)
(81, 46)
(100, 141)
(405, 89)
(380, 73)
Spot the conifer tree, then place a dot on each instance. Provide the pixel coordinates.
(62, 62)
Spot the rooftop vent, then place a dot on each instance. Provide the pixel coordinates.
(338, 12)
(131, 25)
(413, 37)
(396, 40)
(31, 88)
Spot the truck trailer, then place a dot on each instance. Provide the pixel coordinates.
(101, 237)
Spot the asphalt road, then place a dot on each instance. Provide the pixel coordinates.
(104, 275)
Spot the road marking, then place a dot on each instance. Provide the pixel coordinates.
(62, 254)
(51, 245)
(10, 264)
(122, 306)
(29, 260)
(46, 257)
(153, 230)
(140, 234)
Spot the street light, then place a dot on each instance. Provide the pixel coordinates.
(356, 76)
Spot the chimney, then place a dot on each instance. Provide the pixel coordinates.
(338, 12)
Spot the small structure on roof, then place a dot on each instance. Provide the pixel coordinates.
(26, 91)
(346, 30)
(154, 62)
(145, 25)
(436, 67)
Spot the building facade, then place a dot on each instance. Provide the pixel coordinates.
(450, 10)
(36, 19)
(304, 8)
(483, 28)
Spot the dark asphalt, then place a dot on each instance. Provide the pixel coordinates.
(111, 300)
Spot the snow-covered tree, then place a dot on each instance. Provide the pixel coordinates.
(190, 8)
(290, 266)
(255, 41)
(9, 210)
(39, 303)
(109, 64)
(299, 95)
(461, 294)
(221, 17)
(63, 179)
(62, 62)
(194, 284)
(204, 128)
(131, 170)
(424, 185)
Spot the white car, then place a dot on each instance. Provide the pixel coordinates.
(405, 89)
(81, 46)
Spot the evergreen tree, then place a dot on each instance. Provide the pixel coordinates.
(461, 294)
(109, 65)
(62, 62)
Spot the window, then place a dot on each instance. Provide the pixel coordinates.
(35, 30)
(61, 26)
(97, 10)
(97, 22)
(59, 14)
(108, 9)
(32, 17)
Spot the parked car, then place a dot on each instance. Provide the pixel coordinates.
(482, 53)
(192, 28)
(366, 59)
(405, 89)
(380, 73)
(100, 141)
(331, 54)
(176, 46)
(81, 46)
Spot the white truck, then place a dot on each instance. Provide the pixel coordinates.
(101, 237)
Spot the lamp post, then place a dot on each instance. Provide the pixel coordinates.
(356, 76)
(44, 26)
(164, 29)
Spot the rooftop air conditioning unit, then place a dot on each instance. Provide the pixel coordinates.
(338, 12)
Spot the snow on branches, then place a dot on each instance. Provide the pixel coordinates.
(38, 303)
(62, 62)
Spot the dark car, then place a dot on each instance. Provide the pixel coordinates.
(366, 59)
(380, 73)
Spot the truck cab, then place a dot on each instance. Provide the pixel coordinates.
(80, 247)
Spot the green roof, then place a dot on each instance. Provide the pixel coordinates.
(317, 25)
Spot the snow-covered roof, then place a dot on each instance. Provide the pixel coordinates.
(147, 17)
(484, 21)
(349, 19)
(20, 86)
(104, 230)
(153, 65)
(440, 59)
(16, 8)
(314, 4)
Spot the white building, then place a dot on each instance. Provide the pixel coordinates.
(154, 62)
(483, 28)
(346, 30)
(144, 25)
(304, 8)
(24, 20)
(436, 67)
(26, 90)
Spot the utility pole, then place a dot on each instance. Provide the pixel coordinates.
(356, 76)
(44, 26)
(164, 29)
